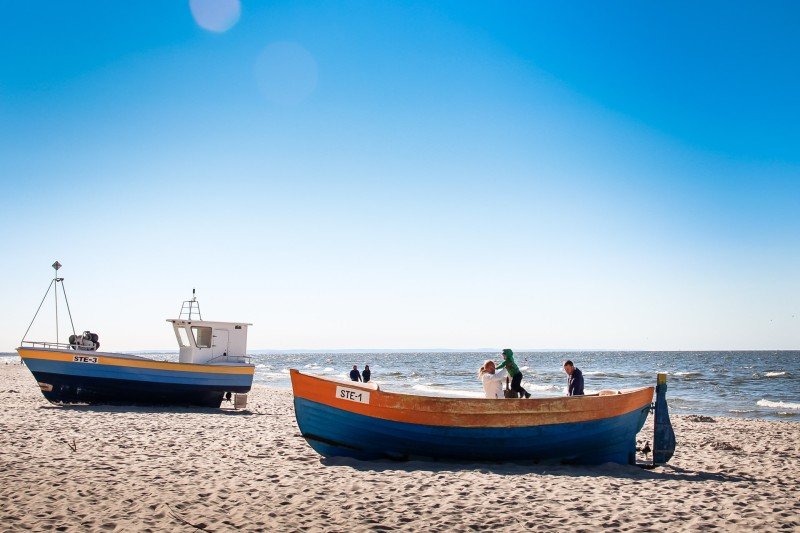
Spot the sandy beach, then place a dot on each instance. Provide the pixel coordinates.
(155, 469)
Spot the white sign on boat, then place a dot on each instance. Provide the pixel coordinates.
(354, 395)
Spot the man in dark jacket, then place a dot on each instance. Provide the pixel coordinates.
(574, 379)
(354, 374)
(366, 373)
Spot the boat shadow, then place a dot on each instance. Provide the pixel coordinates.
(633, 472)
(150, 409)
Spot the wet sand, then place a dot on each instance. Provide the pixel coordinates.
(127, 468)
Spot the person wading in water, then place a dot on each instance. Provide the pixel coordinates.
(513, 371)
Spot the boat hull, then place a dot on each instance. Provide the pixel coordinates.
(590, 430)
(66, 376)
(335, 432)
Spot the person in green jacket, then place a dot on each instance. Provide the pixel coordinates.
(513, 371)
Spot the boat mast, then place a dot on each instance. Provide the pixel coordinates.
(55, 281)
(56, 266)
(191, 306)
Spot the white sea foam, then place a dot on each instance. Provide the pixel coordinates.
(774, 374)
(688, 374)
(448, 392)
(271, 375)
(544, 388)
(778, 405)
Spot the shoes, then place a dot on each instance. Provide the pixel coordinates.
(527, 395)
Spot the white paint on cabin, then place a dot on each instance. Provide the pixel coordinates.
(203, 341)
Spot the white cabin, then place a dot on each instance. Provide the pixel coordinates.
(202, 341)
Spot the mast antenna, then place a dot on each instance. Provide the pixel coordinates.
(191, 306)
(56, 266)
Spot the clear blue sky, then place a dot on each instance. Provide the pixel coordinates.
(405, 175)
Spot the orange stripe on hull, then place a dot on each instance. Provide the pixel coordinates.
(468, 412)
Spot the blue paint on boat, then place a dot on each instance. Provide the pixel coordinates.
(663, 434)
(336, 432)
(78, 389)
(108, 384)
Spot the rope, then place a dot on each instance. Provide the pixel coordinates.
(67, 301)
(37, 312)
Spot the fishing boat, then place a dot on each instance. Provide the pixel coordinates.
(212, 364)
(361, 421)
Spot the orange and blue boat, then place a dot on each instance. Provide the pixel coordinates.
(212, 365)
(361, 421)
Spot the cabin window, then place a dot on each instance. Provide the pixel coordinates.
(202, 337)
(183, 337)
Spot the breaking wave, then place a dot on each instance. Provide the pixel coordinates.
(442, 391)
(778, 405)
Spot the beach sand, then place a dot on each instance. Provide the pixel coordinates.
(220, 470)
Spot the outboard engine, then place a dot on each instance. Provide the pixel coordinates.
(87, 341)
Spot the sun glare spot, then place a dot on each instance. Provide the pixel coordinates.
(216, 15)
(286, 73)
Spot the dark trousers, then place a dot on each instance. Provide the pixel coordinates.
(516, 385)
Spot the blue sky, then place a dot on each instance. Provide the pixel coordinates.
(406, 175)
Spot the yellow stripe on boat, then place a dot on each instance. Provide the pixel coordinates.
(110, 359)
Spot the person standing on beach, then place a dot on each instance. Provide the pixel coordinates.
(574, 379)
(515, 373)
(354, 374)
(492, 380)
(366, 374)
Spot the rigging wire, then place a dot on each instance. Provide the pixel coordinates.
(67, 302)
(37, 311)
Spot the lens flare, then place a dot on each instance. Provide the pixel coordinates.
(216, 15)
(286, 73)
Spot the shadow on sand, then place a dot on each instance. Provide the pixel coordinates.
(113, 408)
(665, 472)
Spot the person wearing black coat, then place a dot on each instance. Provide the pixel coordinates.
(574, 379)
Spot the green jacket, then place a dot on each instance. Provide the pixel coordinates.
(509, 364)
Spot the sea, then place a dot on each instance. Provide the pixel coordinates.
(750, 384)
